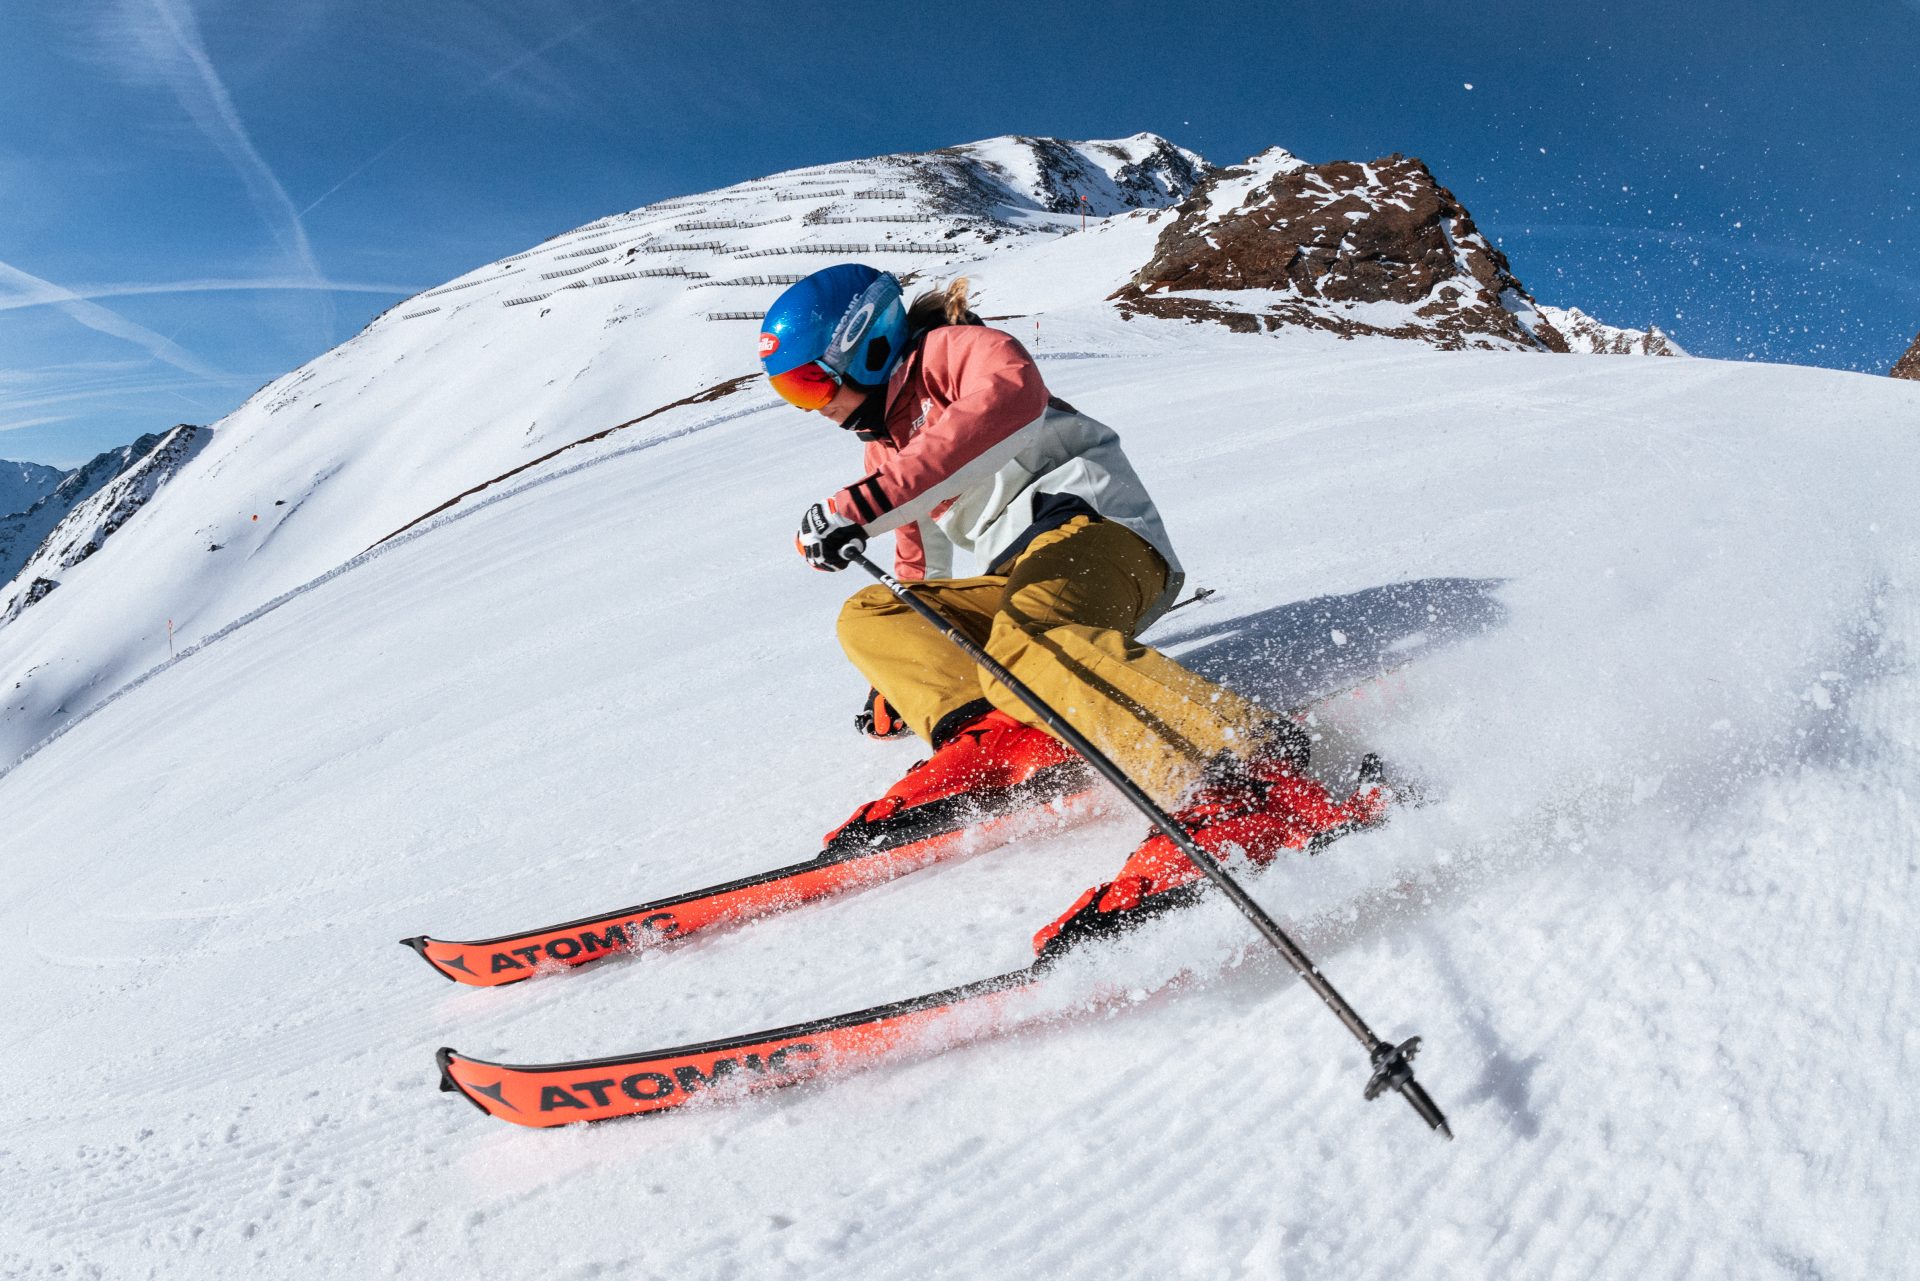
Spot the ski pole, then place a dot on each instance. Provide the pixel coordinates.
(1392, 1064)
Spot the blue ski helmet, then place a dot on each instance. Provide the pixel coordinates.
(850, 319)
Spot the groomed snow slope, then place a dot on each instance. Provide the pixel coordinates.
(1657, 931)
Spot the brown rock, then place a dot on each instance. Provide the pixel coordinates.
(1908, 366)
(1379, 248)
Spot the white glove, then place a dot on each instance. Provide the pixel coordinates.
(827, 539)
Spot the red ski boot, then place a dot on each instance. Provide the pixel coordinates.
(994, 765)
(1252, 809)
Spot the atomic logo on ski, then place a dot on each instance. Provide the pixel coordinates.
(549, 1094)
(651, 1087)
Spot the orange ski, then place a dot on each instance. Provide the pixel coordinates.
(879, 852)
(856, 859)
(550, 1094)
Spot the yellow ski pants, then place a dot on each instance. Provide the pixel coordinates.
(1062, 621)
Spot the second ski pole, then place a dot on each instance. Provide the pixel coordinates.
(1392, 1064)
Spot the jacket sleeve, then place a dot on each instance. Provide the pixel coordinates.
(990, 388)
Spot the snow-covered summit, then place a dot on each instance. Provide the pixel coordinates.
(1570, 329)
(1008, 179)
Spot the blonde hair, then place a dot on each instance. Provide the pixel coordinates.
(938, 307)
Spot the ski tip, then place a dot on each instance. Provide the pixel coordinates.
(443, 1059)
(418, 943)
(1445, 1131)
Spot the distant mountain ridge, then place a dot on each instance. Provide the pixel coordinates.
(128, 480)
(24, 484)
(22, 533)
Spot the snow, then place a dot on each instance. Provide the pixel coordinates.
(1649, 626)
(1230, 194)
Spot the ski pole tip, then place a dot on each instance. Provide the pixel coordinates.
(1428, 1111)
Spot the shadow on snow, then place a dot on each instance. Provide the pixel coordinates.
(1292, 654)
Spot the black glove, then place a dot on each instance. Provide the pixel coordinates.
(877, 720)
(827, 539)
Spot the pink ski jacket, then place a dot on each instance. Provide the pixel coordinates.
(978, 455)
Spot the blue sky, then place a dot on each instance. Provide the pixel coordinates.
(196, 196)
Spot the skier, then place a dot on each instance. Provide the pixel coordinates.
(966, 447)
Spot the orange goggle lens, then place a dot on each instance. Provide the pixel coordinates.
(807, 386)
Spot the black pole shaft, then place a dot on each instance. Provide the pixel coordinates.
(1390, 1062)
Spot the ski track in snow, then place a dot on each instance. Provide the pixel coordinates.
(1655, 928)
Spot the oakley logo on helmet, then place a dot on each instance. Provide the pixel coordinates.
(851, 329)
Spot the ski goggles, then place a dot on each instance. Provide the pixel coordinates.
(808, 386)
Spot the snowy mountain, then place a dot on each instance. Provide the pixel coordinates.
(24, 484)
(26, 532)
(490, 618)
(90, 521)
(1570, 329)
(1908, 366)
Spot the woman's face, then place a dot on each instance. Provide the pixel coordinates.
(844, 402)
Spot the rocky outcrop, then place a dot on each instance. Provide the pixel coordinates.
(1908, 366)
(82, 526)
(24, 484)
(1353, 248)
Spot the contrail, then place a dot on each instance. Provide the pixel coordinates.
(94, 316)
(541, 48)
(35, 422)
(369, 163)
(198, 86)
(210, 286)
